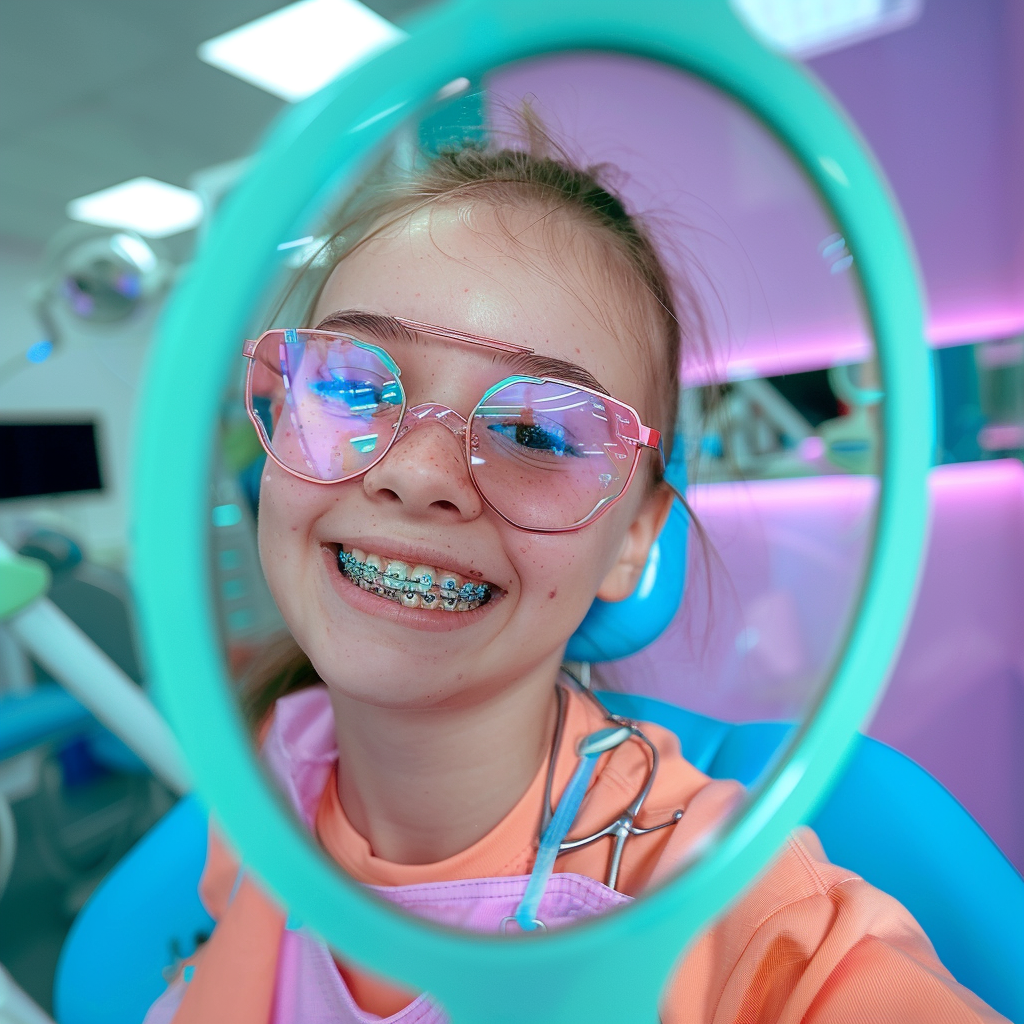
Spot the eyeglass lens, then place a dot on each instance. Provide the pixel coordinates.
(545, 455)
(333, 405)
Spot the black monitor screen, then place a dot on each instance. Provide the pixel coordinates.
(48, 458)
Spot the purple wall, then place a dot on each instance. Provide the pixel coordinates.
(956, 700)
(789, 555)
(942, 105)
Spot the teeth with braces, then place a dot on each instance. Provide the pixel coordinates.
(416, 590)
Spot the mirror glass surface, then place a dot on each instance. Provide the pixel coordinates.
(447, 723)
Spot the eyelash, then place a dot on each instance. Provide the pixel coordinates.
(509, 431)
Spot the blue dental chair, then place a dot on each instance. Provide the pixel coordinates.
(887, 819)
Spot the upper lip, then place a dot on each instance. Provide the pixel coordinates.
(417, 554)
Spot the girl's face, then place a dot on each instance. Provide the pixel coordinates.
(458, 269)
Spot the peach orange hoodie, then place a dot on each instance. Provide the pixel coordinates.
(807, 943)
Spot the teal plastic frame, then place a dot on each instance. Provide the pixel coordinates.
(615, 967)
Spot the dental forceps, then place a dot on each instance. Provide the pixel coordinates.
(622, 827)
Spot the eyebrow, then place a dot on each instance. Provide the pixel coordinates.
(534, 365)
(381, 326)
(389, 328)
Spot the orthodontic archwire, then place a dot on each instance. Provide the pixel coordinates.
(420, 585)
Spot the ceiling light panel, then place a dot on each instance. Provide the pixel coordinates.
(806, 28)
(150, 207)
(297, 50)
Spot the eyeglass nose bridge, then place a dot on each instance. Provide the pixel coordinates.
(433, 412)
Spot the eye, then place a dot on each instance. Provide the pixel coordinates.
(360, 396)
(536, 438)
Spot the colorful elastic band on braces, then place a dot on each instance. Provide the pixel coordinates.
(421, 585)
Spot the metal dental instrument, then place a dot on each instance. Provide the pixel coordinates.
(624, 825)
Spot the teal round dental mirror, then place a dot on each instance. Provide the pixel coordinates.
(615, 967)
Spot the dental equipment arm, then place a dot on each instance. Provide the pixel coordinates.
(88, 674)
(16, 1006)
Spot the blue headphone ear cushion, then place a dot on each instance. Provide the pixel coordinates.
(613, 630)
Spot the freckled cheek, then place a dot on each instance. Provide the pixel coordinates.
(274, 537)
(278, 509)
(550, 572)
(286, 518)
(564, 571)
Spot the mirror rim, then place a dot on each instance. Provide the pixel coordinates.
(323, 138)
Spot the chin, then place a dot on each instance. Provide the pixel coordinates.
(392, 697)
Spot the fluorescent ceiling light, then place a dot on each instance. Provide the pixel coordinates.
(297, 50)
(152, 208)
(806, 28)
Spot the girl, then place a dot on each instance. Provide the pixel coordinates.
(431, 571)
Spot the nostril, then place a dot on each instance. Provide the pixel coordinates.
(448, 506)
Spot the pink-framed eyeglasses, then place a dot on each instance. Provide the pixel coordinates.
(546, 454)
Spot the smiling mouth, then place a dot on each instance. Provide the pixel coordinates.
(414, 586)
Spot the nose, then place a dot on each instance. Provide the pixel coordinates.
(425, 470)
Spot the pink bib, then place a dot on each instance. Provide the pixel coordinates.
(300, 750)
(311, 990)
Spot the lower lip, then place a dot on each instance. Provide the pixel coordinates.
(383, 608)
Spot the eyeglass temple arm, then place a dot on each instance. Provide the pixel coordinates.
(651, 438)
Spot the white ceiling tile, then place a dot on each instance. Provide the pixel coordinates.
(93, 92)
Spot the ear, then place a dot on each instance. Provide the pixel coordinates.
(624, 575)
